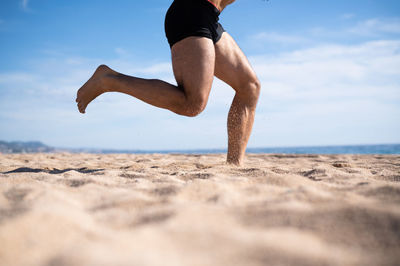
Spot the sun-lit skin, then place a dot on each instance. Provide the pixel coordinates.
(221, 4)
(195, 62)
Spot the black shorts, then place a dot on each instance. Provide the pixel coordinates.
(187, 18)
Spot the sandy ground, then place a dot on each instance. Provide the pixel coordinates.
(87, 209)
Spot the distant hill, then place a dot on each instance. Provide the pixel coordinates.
(24, 147)
(37, 146)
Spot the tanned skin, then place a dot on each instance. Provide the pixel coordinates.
(195, 62)
(221, 4)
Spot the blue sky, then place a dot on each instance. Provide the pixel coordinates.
(330, 72)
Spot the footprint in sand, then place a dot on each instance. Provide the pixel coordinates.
(387, 194)
(158, 217)
(16, 197)
(165, 191)
(197, 176)
(77, 182)
(341, 164)
(314, 174)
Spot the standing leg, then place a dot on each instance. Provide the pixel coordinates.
(193, 62)
(232, 66)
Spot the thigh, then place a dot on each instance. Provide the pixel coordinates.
(231, 65)
(193, 62)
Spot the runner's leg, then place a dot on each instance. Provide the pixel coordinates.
(233, 68)
(193, 61)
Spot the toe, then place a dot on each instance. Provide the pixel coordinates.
(81, 107)
(79, 94)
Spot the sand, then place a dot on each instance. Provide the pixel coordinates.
(88, 209)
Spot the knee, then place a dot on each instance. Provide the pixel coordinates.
(251, 91)
(254, 89)
(195, 107)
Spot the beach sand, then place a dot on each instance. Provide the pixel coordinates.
(89, 209)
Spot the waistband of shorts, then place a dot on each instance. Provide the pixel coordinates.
(206, 3)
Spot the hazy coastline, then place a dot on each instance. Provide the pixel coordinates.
(37, 146)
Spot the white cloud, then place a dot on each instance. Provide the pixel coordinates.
(24, 4)
(159, 68)
(382, 28)
(278, 38)
(333, 70)
(121, 52)
(372, 27)
(347, 16)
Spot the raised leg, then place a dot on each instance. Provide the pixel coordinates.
(232, 67)
(193, 62)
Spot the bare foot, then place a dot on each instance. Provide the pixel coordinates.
(92, 88)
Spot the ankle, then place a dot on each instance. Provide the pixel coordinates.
(106, 82)
(234, 160)
(105, 76)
